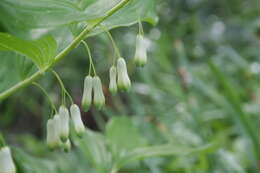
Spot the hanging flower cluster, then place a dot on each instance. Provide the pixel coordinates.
(6, 161)
(58, 127)
(60, 124)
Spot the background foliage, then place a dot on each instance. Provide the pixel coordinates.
(196, 102)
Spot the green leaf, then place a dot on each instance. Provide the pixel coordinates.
(34, 18)
(162, 150)
(41, 51)
(133, 12)
(130, 14)
(233, 98)
(38, 13)
(30, 164)
(93, 146)
(16, 66)
(122, 135)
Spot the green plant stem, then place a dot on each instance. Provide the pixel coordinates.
(63, 53)
(91, 64)
(47, 95)
(116, 50)
(64, 90)
(2, 140)
(141, 30)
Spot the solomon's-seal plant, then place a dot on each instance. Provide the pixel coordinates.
(58, 126)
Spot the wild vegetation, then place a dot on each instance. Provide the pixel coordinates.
(144, 86)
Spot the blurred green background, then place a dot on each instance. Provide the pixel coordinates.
(201, 86)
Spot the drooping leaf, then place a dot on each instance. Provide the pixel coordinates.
(34, 18)
(133, 12)
(38, 13)
(162, 150)
(122, 135)
(93, 146)
(30, 164)
(41, 51)
(13, 68)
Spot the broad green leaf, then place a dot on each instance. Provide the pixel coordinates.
(133, 12)
(122, 135)
(51, 162)
(130, 14)
(30, 164)
(34, 18)
(49, 13)
(38, 13)
(13, 68)
(162, 150)
(41, 51)
(93, 146)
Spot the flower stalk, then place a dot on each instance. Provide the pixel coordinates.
(63, 53)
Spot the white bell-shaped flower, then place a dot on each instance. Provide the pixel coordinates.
(87, 93)
(6, 161)
(123, 81)
(140, 58)
(53, 132)
(64, 120)
(112, 82)
(57, 129)
(76, 119)
(50, 134)
(99, 98)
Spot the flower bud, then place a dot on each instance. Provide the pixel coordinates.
(53, 132)
(67, 146)
(87, 93)
(76, 119)
(112, 83)
(6, 161)
(50, 134)
(123, 81)
(64, 123)
(140, 52)
(99, 98)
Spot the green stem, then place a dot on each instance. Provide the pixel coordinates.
(91, 64)
(64, 90)
(116, 50)
(63, 95)
(47, 95)
(63, 53)
(141, 30)
(2, 141)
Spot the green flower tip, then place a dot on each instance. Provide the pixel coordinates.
(140, 58)
(76, 120)
(123, 81)
(64, 123)
(99, 98)
(112, 82)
